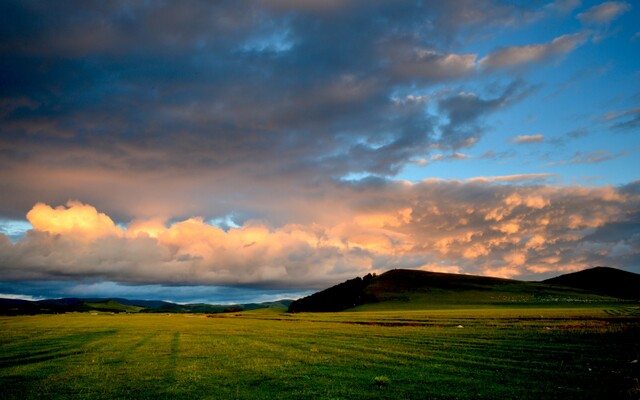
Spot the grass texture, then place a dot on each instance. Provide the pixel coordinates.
(584, 352)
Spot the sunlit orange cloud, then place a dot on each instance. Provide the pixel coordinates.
(153, 227)
(81, 221)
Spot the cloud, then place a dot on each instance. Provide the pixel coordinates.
(628, 119)
(516, 56)
(415, 63)
(542, 177)
(207, 91)
(478, 226)
(19, 297)
(450, 157)
(466, 110)
(591, 157)
(563, 6)
(594, 157)
(81, 221)
(604, 13)
(578, 133)
(528, 139)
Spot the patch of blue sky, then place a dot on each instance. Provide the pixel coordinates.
(277, 41)
(14, 229)
(224, 222)
(357, 176)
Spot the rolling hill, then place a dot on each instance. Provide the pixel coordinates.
(415, 289)
(604, 280)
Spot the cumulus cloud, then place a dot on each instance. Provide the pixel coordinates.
(473, 227)
(524, 55)
(527, 139)
(77, 219)
(604, 13)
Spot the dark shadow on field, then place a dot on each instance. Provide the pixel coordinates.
(173, 360)
(52, 348)
(17, 386)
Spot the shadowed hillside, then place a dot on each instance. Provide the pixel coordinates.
(415, 289)
(604, 280)
(337, 298)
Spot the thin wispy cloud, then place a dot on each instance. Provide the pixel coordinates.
(628, 119)
(528, 139)
(591, 157)
(516, 56)
(604, 13)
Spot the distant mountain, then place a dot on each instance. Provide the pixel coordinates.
(415, 289)
(118, 305)
(604, 280)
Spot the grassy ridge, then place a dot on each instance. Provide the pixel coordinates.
(499, 352)
(415, 290)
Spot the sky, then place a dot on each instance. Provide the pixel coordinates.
(239, 151)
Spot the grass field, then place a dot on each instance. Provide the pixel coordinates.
(485, 353)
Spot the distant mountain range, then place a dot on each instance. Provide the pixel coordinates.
(415, 289)
(118, 305)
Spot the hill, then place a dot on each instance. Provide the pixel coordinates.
(415, 289)
(337, 298)
(118, 305)
(604, 280)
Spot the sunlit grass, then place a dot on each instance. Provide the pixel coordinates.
(526, 353)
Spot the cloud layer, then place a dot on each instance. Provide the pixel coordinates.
(167, 108)
(467, 227)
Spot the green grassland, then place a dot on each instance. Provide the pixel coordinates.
(510, 352)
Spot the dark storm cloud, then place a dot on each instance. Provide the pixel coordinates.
(227, 90)
(465, 112)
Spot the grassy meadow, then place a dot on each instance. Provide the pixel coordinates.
(579, 352)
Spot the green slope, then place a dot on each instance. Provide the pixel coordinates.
(401, 289)
(111, 306)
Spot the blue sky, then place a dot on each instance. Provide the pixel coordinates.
(232, 151)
